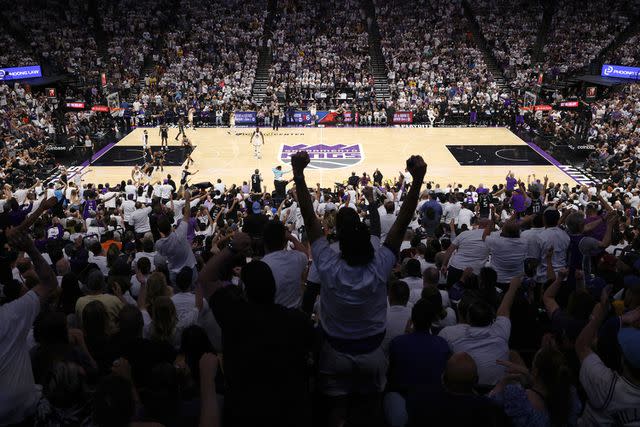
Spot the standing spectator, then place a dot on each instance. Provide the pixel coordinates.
(483, 333)
(17, 387)
(416, 360)
(353, 290)
(287, 266)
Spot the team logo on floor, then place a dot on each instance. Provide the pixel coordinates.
(325, 156)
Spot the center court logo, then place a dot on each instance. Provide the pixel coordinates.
(325, 156)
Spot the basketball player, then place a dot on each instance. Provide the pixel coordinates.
(185, 175)
(158, 160)
(187, 143)
(257, 139)
(77, 178)
(181, 128)
(147, 170)
(189, 146)
(145, 140)
(190, 114)
(164, 136)
(256, 180)
(137, 175)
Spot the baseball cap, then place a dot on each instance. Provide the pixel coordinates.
(629, 340)
(256, 208)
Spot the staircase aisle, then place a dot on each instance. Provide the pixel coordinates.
(543, 32)
(481, 43)
(378, 64)
(265, 56)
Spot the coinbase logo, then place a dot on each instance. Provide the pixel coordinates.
(608, 70)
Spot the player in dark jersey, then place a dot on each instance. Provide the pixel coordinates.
(181, 128)
(147, 170)
(256, 181)
(158, 160)
(164, 136)
(185, 175)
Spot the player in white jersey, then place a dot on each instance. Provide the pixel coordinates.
(137, 175)
(145, 140)
(257, 139)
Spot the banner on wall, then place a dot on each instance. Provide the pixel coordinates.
(245, 118)
(301, 117)
(348, 117)
(570, 104)
(541, 107)
(403, 117)
(100, 108)
(325, 117)
(620, 71)
(75, 105)
(18, 73)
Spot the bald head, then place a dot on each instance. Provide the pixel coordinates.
(511, 229)
(431, 276)
(460, 374)
(63, 267)
(483, 223)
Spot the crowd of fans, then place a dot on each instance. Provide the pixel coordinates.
(382, 301)
(510, 29)
(326, 60)
(626, 54)
(183, 60)
(434, 67)
(66, 42)
(579, 31)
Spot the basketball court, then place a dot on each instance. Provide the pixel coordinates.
(454, 155)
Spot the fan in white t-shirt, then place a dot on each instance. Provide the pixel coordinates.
(483, 333)
(287, 266)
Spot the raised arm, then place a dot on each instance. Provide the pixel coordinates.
(612, 220)
(19, 239)
(589, 332)
(447, 257)
(299, 161)
(417, 168)
(209, 277)
(507, 301)
(209, 412)
(374, 215)
(549, 296)
(605, 204)
(297, 245)
(186, 210)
